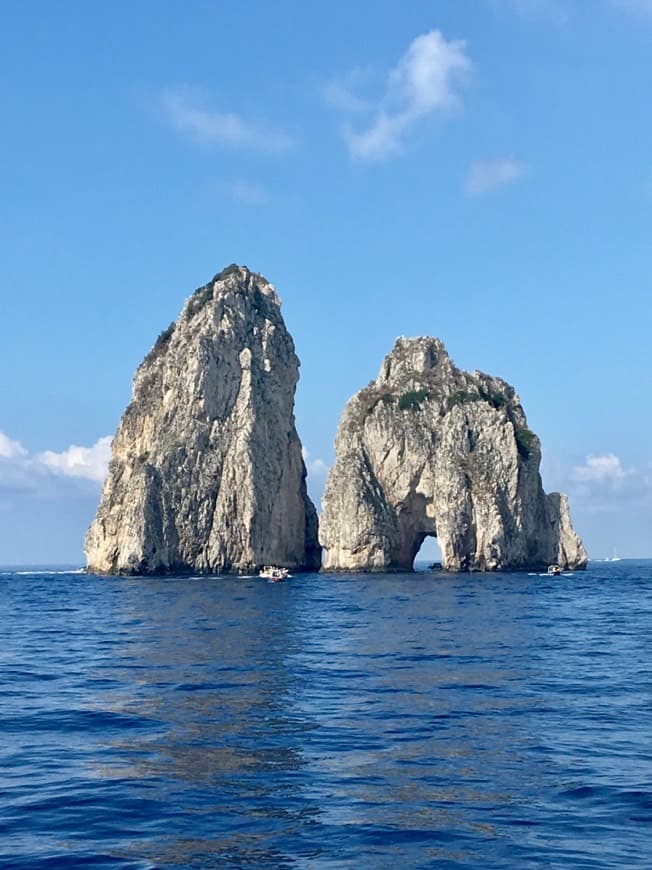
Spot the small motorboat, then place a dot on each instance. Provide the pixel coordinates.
(554, 570)
(274, 574)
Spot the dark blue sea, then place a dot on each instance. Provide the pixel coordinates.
(421, 720)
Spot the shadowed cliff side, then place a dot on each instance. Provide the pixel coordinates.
(206, 472)
(428, 449)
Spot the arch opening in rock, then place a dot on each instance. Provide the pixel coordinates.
(428, 554)
(415, 522)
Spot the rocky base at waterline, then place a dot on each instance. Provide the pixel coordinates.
(428, 449)
(206, 472)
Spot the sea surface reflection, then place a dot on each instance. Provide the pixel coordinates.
(410, 720)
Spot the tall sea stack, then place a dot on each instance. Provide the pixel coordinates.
(206, 471)
(428, 449)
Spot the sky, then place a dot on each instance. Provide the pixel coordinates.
(478, 171)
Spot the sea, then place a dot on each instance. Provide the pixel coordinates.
(382, 721)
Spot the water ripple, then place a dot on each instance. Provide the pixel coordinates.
(412, 720)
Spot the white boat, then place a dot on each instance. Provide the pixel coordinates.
(271, 572)
(554, 570)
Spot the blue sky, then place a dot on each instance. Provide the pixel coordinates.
(478, 171)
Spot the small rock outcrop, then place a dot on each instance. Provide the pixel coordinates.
(206, 471)
(428, 449)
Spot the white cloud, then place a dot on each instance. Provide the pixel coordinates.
(487, 175)
(610, 501)
(21, 471)
(47, 501)
(601, 484)
(600, 469)
(10, 449)
(248, 194)
(186, 111)
(316, 467)
(423, 83)
(90, 462)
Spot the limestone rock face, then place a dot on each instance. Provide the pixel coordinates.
(428, 449)
(206, 470)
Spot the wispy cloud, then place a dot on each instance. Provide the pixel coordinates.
(610, 500)
(602, 483)
(21, 470)
(339, 96)
(607, 468)
(316, 467)
(248, 194)
(423, 84)
(487, 175)
(341, 92)
(48, 499)
(10, 449)
(186, 111)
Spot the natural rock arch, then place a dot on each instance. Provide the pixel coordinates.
(428, 449)
(416, 522)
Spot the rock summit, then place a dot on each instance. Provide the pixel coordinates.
(206, 471)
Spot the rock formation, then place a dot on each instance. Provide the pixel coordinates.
(206, 470)
(428, 449)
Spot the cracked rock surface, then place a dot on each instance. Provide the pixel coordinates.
(206, 471)
(429, 449)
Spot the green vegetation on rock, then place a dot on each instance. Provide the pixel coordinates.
(413, 399)
(232, 269)
(496, 399)
(161, 342)
(525, 441)
(369, 399)
(199, 298)
(461, 397)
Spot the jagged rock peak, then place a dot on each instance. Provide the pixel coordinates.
(206, 471)
(233, 278)
(413, 356)
(429, 449)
